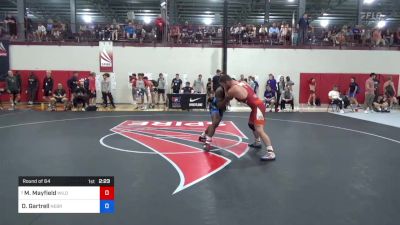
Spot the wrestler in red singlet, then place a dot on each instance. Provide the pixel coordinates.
(257, 115)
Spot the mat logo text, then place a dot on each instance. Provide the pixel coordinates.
(177, 142)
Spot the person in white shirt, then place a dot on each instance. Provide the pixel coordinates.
(335, 98)
(198, 85)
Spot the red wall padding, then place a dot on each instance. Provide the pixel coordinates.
(59, 76)
(326, 81)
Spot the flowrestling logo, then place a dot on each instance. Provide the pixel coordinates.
(106, 56)
(3, 50)
(193, 164)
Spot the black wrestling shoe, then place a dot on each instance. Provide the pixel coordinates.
(202, 139)
(257, 145)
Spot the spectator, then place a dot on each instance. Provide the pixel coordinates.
(335, 98)
(281, 87)
(369, 92)
(72, 84)
(90, 86)
(175, 34)
(390, 91)
(270, 97)
(130, 31)
(11, 22)
(376, 85)
(242, 78)
(161, 88)
(187, 89)
(40, 32)
(273, 32)
(377, 38)
(80, 98)
(354, 89)
(287, 98)
(150, 86)
(396, 38)
(47, 88)
(160, 26)
(313, 89)
(215, 81)
(253, 84)
(132, 80)
(106, 91)
(381, 104)
(176, 84)
(33, 85)
(272, 82)
(141, 87)
(28, 28)
(198, 85)
(208, 87)
(13, 89)
(289, 83)
(303, 27)
(59, 96)
(284, 34)
(19, 81)
(262, 32)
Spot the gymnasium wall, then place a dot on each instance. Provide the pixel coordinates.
(194, 61)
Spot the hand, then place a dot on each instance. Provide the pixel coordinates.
(43, 90)
(26, 92)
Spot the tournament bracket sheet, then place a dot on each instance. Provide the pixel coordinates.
(66, 194)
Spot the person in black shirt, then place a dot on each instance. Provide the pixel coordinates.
(72, 84)
(12, 26)
(80, 96)
(59, 96)
(354, 89)
(47, 87)
(187, 89)
(208, 87)
(215, 81)
(33, 85)
(176, 84)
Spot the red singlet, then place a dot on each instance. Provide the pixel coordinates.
(257, 115)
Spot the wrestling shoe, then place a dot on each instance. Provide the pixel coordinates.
(202, 139)
(255, 145)
(207, 147)
(268, 156)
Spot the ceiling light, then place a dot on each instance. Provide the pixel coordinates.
(324, 23)
(381, 24)
(87, 18)
(207, 21)
(368, 1)
(146, 19)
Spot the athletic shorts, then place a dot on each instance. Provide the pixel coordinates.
(257, 115)
(92, 94)
(352, 95)
(161, 91)
(14, 92)
(47, 93)
(217, 111)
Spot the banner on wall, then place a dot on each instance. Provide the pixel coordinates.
(4, 59)
(106, 56)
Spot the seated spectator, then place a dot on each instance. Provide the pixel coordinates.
(41, 32)
(187, 89)
(80, 98)
(270, 98)
(354, 89)
(284, 34)
(262, 32)
(335, 98)
(287, 98)
(175, 34)
(396, 38)
(390, 91)
(381, 104)
(199, 35)
(59, 96)
(273, 32)
(357, 34)
(130, 31)
(377, 38)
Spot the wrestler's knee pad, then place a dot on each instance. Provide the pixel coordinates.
(252, 127)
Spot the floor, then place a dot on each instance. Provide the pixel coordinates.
(330, 169)
(389, 119)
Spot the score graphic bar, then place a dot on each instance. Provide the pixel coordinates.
(66, 195)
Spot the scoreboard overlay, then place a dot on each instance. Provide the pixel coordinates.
(65, 194)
